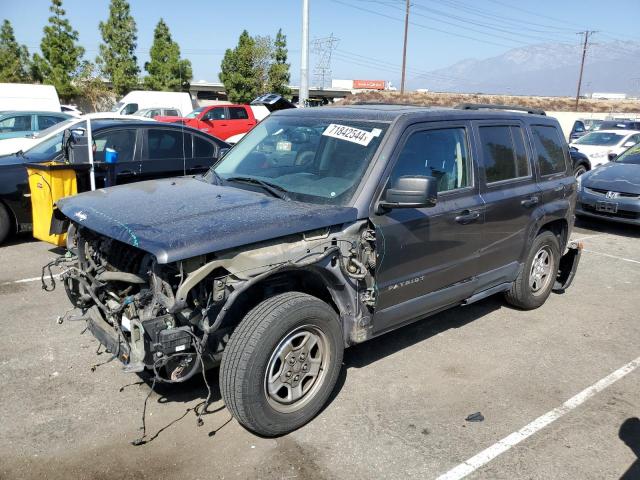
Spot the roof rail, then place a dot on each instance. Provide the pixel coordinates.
(489, 106)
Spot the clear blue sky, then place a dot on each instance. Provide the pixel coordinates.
(370, 31)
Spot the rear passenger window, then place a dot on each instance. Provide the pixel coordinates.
(46, 121)
(237, 113)
(436, 153)
(503, 153)
(203, 148)
(165, 144)
(172, 113)
(549, 151)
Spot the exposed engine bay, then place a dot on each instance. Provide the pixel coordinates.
(175, 319)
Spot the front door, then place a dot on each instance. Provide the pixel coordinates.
(216, 122)
(126, 143)
(428, 256)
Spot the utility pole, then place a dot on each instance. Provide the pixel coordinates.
(404, 48)
(585, 45)
(303, 94)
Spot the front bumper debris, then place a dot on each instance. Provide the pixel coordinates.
(568, 266)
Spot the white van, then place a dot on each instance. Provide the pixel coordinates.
(139, 99)
(24, 96)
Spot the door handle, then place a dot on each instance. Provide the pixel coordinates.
(126, 172)
(530, 202)
(467, 217)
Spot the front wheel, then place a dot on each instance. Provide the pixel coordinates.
(579, 170)
(281, 363)
(535, 282)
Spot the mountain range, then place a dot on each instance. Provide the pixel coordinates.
(545, 69)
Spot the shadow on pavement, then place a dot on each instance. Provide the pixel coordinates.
(362, 355)
(630, 434)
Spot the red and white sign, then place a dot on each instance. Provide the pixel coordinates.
(369, 84)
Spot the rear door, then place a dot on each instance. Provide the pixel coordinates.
(239, 121)
(205, 154)
(428, 256)
(510, 194)
(554, 171)
(167, 152)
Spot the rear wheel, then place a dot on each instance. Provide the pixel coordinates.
(5, 224)
(535, 282)
(281, 363)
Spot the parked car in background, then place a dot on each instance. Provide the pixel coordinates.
(323, 229)
(222, 121)
(14, 145)
(612, 192)
(580, 162)
(158, 112)
(26, 123)
(597, 146)
(24, 96)
(139, 99)
(146, 150)
(620, 125)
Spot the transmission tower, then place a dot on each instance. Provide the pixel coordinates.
(323, 48)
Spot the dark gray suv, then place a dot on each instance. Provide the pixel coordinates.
(321, 229)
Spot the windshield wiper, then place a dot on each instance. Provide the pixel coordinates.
(275, 190)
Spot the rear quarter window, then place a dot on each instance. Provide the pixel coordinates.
(549, 150)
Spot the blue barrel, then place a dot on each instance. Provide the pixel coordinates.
(110, 155)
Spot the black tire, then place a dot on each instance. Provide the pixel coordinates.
(5, 224)
(265, 331)
(522, 294)
(579, 170)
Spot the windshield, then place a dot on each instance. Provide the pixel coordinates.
(600, 138)
(313, 160)
(117, 107)
(632, 155)
(51, 148)
(195, 113)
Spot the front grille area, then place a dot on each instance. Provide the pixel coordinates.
(619, 214)
(603, 192)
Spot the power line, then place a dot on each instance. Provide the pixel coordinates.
(587, 34)
(323, 48)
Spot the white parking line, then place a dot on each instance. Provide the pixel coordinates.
(27, 280)
(612, 256)
(487, 455)
(587, 237)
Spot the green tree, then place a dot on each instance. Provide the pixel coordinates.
(117, 58)
(278, 76)
(61, 58)
(167, 71)
(91, 87)
(14, 58)
(239, 71)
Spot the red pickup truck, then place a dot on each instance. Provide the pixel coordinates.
(221, 121)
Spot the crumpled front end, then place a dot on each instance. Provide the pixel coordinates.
(176, 318)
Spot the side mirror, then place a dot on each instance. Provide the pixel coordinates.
(411, 192)
(612, 156)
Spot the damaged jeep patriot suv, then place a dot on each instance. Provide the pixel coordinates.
(321, 229)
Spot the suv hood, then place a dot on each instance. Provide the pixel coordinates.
(616, 177)
(179, 218)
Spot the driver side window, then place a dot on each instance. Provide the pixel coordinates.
(440, 153)
(215, 114)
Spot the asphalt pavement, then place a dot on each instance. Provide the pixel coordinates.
(557, 387)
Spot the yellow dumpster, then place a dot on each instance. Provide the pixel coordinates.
(48, 182)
